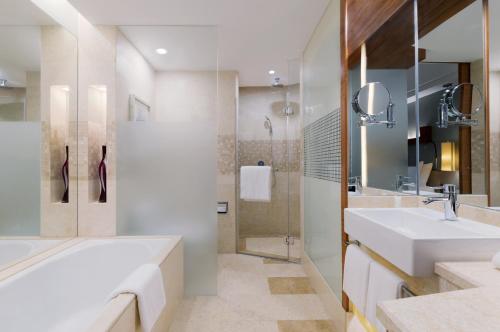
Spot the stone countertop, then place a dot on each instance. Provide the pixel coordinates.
(476, 308)
(469, 274)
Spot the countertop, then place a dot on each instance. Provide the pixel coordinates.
(476, 308)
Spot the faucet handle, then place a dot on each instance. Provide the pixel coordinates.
(450, 189)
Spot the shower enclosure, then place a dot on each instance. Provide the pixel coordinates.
(268, 133)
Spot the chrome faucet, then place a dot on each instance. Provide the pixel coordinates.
(354, 184)
(449, 199)
(403, 182)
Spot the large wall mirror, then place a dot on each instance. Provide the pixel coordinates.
(38, 80)
(453, 128)
(382, 113)
(453, 138)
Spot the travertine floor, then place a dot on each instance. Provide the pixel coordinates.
(245, 303)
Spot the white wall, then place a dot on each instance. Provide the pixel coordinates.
(184, 96)
(134, 76)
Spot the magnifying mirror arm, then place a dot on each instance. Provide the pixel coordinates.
(448, 112)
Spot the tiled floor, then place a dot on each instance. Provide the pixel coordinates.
(245, 303)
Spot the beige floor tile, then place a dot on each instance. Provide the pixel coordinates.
(290, 285)
(244, 301)
(305, 325)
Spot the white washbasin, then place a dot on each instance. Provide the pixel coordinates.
(414, 239)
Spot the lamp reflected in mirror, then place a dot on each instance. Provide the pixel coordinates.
(449, 157)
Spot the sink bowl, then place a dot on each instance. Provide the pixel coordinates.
(414, 239)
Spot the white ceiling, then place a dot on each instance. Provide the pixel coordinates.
(253, 35)
(22, 12)
(459, 39)
(189, 48)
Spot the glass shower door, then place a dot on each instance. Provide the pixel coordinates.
(268, 135)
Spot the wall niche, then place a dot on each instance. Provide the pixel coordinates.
(97, 138)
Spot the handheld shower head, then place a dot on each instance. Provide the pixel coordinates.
(268, 125)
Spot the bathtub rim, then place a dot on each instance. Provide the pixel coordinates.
(116, 308)
(17, 265)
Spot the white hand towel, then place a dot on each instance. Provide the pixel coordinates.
(256, 183)
(383, 285)
(146, 282)
(356, 272)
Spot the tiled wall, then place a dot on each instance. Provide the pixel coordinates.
(96, 67)
(494, 7)
(58, 67)
(478, 136)
(226, 159)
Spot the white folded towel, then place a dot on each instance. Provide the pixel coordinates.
(356, 272)
(383, 285)
(146, 282)
(256, 183)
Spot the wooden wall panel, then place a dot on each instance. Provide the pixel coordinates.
(364, 17)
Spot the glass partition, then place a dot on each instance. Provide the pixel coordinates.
(166, 142)
(322, 166)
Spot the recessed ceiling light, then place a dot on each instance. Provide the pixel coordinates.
(161, 51)
(272, 72)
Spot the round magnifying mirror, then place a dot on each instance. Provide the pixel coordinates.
(466, 98)
(373, 98)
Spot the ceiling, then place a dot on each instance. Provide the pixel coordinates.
(22, 12)
(459, 39)
(189, 48)
(254, 36)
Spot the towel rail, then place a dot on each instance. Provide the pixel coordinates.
(406, 292)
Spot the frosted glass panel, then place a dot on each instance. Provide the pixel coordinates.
(20, 178)
(321, 101)
(166, 185)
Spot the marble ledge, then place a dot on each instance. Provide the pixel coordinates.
(473, 309)
(469, 274)
(467, 310)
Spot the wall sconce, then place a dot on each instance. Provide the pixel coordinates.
(449, 156)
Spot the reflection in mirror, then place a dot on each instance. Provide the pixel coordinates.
(452, 113)
(37, 140)
(373, 100)
(457, 105)
(382, 91)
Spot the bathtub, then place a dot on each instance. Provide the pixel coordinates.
(13, 250)
(68, 291)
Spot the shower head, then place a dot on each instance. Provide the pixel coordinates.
(276, 83)
(268, 125)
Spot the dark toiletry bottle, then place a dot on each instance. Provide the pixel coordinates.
(102, 176)
(65, 176)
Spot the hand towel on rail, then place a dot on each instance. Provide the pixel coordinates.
(146, 282)
(383, 285)
(356, 273)
(256, 183)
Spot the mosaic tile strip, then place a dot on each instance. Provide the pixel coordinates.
(322, 148)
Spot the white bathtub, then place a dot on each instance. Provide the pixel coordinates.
(13, 250)
(68, 291)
